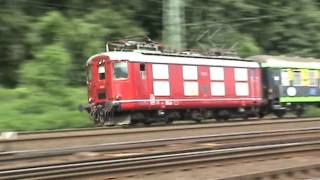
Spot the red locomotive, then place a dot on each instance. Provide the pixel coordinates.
(139, 82)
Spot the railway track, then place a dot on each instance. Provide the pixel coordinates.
(221, 139)
(300, 172)
(221, 149)
(177, 124)
(151, 163)
(74, 138)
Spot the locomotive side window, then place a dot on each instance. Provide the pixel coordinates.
(241, 78)
(216, 73)
(160, 71)
(191, 88)
(161, 88)
(160, 74)
(217, 81)
(241, 74)
(120, 70)
(242, 89)
(190, 72)
(190, 78)
(101, 71)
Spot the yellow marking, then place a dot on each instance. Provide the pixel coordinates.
(290, 74)
(305, 77)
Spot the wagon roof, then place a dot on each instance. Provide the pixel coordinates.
(287, 61)
(163, 58)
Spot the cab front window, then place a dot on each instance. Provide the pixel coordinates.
(120, 70)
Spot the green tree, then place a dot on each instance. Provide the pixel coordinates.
(13, 25)
(48, 29)
(49, 69)
(87, 36)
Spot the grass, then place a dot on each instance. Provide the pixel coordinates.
(28, 109)
(312, 111)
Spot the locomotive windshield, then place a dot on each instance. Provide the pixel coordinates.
(120, 70)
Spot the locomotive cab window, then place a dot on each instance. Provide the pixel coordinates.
(102, 71)
(120, 70)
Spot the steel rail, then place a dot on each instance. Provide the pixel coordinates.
(151, 161)
(276, 173)
(206, 122)
(58, 134)
(30, 154)
(163, 126)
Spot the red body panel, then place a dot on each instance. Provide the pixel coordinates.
(136, 92)
(204, 81)
(95, 85)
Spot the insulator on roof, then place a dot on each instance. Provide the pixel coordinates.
(149, 46)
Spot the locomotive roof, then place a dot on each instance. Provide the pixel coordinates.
(287, 61)
(179, 59)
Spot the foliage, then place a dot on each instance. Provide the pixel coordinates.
(275, 27)
(95, 29)
(13, 25)
(34, 109)
(83, 27)
(48, 69)
(312, 111)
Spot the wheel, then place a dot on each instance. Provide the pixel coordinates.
(224, 115)
(196, 116)
(279, 114)
(218, 119)
(261, 115)
(169, 121)
(226, 118)
(245, 117)
(146, 123)
(134, 123)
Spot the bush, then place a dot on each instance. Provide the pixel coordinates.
(49, 69)
(26, 109)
